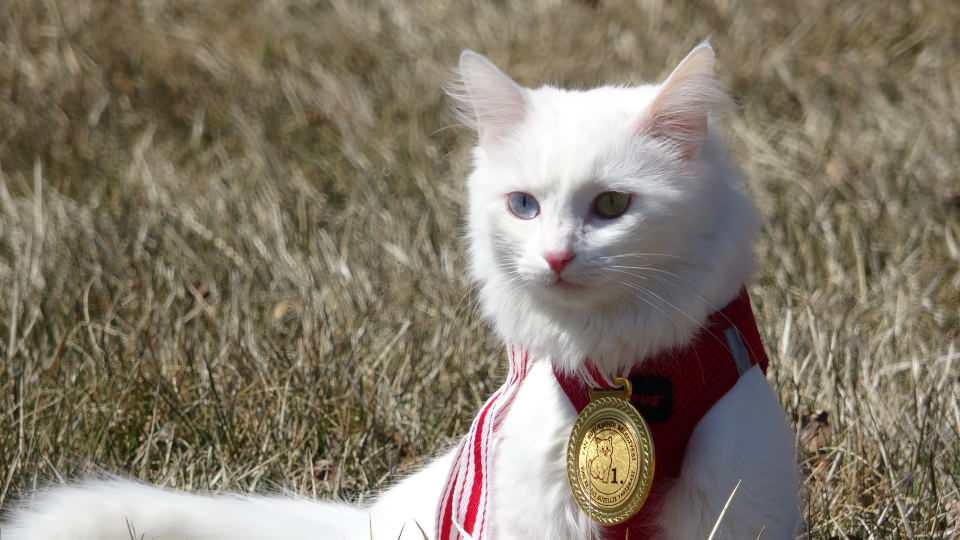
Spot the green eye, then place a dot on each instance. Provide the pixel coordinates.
(611, 204)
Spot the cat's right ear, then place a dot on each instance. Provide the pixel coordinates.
(680, 111)
(486, 99)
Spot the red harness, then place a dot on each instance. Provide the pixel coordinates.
(675, 389)
(672, 391)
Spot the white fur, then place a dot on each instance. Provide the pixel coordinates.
(122, 510)
(687, 238)
(645, 282)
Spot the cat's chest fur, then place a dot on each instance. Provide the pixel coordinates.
(531, 494)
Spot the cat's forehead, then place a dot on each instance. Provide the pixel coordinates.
(600, 103)
(573, 136)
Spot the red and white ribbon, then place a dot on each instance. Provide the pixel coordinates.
(463, 505)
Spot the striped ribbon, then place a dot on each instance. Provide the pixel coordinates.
(463, 505)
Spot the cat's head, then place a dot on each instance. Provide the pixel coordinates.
(602, 223)
(606, 446)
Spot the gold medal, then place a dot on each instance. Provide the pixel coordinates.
(610, 457)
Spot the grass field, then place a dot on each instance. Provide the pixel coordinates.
(230, 255)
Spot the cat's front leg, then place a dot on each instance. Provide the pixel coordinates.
(744, 438)
(409, 509)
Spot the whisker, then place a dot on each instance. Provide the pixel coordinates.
(642, 254)
(646, 301)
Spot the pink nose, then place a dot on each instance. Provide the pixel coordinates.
(558, 260)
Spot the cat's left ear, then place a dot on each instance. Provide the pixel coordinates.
(684, 101)
(486, 99)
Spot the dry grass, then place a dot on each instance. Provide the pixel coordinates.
(229, 255)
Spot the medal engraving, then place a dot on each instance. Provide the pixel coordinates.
(610, 460)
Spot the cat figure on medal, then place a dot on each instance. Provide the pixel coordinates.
(606, 224)
(601, 464)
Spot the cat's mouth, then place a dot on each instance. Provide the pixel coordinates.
(566, 285)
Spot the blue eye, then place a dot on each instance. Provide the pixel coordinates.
(523, 205)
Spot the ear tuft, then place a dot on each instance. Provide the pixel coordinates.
(485, 98)
(680, 111)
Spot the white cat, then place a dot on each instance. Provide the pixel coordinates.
(604, 224)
